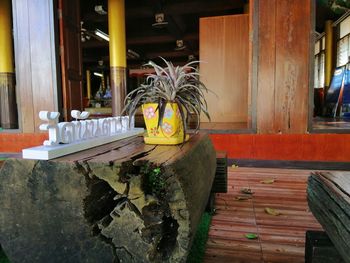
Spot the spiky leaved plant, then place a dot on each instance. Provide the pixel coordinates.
(171, 84)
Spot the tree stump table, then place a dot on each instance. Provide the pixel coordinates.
(120, 202)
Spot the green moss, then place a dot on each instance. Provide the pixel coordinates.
(196, 254)
(153, 181)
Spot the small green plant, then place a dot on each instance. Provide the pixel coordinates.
(154, 182)
(170, 84)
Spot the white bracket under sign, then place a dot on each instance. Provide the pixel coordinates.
(70, 137)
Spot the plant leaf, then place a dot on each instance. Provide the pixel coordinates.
(161, 109)
(184, 119)
(272, 211)
(268, 181)
(247, 191)
(251, 236)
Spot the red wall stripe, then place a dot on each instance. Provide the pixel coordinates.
(15, 142)
(298, 147)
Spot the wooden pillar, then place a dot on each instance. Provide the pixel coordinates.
(284, 38)
(35, 59)
(117, 53)
(328, 53)
(8, 107)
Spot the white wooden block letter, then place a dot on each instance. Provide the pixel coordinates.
(51, 126)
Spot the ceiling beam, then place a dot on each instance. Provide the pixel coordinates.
(170, 54)
(190, 7)
(93, 43)
(141, 40)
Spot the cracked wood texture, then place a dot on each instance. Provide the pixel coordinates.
(285, 36)
(328, 196)
(107, 204)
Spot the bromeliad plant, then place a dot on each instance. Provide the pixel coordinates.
(171, 84)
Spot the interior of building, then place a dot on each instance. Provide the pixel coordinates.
(279, 76)
(180, 32)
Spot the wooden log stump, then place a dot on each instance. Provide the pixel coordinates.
(328, 195)
(120, 202)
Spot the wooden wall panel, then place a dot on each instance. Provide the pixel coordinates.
(224, 52)
(283, 73)
(35, 59)
(71, 59)
(22, 61)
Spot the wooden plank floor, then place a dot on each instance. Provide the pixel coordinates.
(280, 238)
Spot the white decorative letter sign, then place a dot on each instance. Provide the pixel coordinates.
(81, 134)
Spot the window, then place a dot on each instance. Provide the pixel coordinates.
(343, 44)
(319, 63)
(343, 51)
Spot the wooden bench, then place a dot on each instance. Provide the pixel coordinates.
(120, 202)
(328, 195)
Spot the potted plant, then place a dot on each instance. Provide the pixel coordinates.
(167, 98)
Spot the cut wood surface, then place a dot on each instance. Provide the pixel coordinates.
(120, 202)
(280, 238)
(329, 201)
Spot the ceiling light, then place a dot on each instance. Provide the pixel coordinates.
(180, 45)
(102, 34)
(191, 57)
(160, 21)
(100, 10)
(98, 74)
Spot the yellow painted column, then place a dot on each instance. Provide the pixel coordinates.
(88, 84)
(8, 107)
(328, 53)
(117, 53)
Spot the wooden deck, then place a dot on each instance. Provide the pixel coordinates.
(280, 238)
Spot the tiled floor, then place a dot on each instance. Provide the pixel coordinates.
(280, 238)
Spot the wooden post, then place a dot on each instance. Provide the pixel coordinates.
(117, 53)
(8, 107)
(36, 60)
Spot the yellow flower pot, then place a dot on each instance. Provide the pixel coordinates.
(170, 132)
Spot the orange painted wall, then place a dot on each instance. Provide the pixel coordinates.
(298, 147)
(15, 142)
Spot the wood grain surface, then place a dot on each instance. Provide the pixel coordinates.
(283, 71)
(36, 75)
(224, 44)
(329, 200)
(280, 238)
